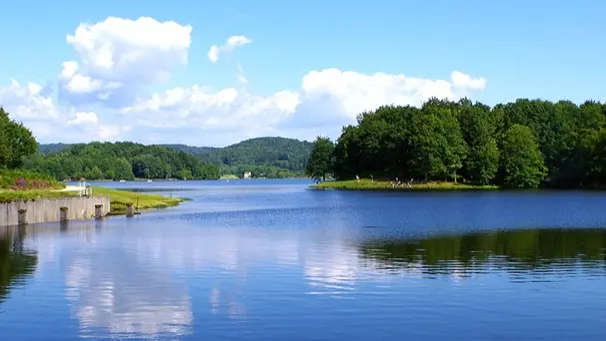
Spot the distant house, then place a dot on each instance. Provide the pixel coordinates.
(247, 175)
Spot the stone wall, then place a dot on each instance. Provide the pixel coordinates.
(51, 210)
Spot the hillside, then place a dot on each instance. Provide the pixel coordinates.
(265, 156)
(190, 149)
(120, 160)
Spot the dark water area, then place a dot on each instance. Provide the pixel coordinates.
(272, 260)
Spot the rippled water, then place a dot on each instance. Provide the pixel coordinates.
(271, 260)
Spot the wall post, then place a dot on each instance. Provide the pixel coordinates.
(63, 213)
(98, 211)
(22, 216)
(129, 210)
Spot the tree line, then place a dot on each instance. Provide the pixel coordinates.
(521, 144)
(120, 160)
(270, 157)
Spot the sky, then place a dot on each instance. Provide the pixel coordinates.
(214, 73)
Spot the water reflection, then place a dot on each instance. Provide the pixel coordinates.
(110, 289)
(161, 278)
(16, 262)
(125, 297)
(525, 254)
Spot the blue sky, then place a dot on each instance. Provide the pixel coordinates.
(547, 49)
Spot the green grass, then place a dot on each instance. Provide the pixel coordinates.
(368, 185)
(229, 177)
(12, 195)
(21, 180)
(119, 199)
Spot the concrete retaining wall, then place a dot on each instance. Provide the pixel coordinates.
(50, 210)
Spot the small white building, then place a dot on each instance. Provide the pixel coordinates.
(247, 175)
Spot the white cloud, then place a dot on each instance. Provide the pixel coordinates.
(48, 121)
(327, 100)
(214, 52)
(101, 94)
(122, 54)
(84, 118)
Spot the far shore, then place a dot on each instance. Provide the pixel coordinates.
(381, 185)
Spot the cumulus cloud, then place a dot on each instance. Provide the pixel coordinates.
(101, 93)
(29, 103)
(326, 100)
(84, 118)
(232, 42)
(120, 56)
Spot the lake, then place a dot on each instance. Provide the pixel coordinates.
(273, 260)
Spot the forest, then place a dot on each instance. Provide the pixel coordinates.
(521, 144)
(120, 160)
(271, 157)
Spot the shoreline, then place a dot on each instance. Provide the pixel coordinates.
(381, 185)
(119, 199)
(141, 201)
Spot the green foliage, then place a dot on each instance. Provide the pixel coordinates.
(16, 142)
(368, 184)
(271, 157)
(121, 160)
(478, 128)
(19, 179)
(34, 194)
(525, 143)
(141, 201)
(190, 149)
(523, 164)
(321, 159)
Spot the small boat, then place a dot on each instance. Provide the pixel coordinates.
(122, 180)
(149, 180)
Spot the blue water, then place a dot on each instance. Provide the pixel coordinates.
(272, 260)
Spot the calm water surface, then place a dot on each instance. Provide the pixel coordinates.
(271, 260)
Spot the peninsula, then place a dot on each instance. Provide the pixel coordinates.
(465, 145)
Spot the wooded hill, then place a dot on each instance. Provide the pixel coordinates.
(121, 160)
(271, 157)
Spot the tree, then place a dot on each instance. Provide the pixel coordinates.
(321, 160)
(522, 160)
(16, 142)
(478, 127)
(484, 161)
(438, 147)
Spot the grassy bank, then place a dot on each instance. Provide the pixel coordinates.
(368, 185)
(119, 199)
(229, 177)
(13, 195)
(19, 180)
(142, 201)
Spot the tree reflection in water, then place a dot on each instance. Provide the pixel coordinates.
(16, 263)
(519, 252)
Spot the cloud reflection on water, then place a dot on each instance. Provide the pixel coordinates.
(137, 280)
